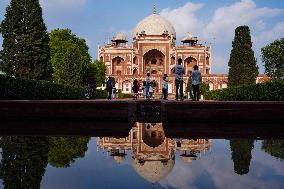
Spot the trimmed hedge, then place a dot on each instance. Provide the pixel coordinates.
(269, 91)
(25, 89)
(124, 95)
(101, 94)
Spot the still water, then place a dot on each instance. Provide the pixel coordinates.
(146, 158)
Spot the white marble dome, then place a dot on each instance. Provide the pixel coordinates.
(153, 171)
(155, 25)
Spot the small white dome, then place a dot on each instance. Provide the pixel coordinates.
(120, 37)
(155, 25)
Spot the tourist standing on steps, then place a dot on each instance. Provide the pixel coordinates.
(135, 89)
(109, 87)
(196, 79)
(148, 86)
(179, 71)
(165, 86)
(144, 90)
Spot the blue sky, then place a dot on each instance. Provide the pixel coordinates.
(212, 21)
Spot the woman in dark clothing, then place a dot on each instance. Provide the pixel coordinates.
(135, 89)
(109, 87)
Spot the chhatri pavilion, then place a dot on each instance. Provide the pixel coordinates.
(154, 50)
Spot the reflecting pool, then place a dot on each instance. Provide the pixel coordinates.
(146, 158)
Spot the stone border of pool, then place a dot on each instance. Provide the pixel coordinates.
(124, 110)
(108, 118)
(224, 111)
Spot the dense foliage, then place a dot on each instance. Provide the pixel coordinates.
(25, 41)
(94, 77)
(189, 87)
(269, 91)
(64, 150)
(23, 161)
(25, 89)
(69, 57)
(273, 57)
(274, 148)
(124, 95)
(100, 73)
(204, 87)
(241, 154)
(242, 64)
(100, 94)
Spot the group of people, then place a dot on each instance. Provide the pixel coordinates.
(178, 71)
(148, 87)
(195, 77)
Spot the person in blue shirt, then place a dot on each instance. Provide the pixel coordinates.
(179, 71)
(148, 86)
(196, 79)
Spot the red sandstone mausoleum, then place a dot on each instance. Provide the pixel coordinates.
(154, 50)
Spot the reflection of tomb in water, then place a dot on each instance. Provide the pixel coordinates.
(153, 154)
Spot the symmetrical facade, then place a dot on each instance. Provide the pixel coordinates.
(153, 153)
(154, 50)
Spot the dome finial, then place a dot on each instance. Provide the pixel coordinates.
(154, 12)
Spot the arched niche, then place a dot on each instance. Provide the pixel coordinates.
(135, 72)
(118, 65)
(153, 135)
(207, 60)
(153, 60)
(173, 60)
(223, 85)
(135, 60)
(188, 64)
(126, 86)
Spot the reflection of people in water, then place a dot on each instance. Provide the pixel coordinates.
(153, 152)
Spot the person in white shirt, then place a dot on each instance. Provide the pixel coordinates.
(196, 79)
(179, 71)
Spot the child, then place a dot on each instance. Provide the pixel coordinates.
(165, 86)
(135, 89)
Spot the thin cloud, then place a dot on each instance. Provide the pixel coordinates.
(184, 18)
(245, 12)
(269, 36)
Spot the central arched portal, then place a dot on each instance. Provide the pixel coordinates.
(154, 62)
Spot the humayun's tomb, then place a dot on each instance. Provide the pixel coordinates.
(153, 154)
(154, 50)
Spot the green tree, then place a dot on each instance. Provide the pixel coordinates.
(273, 58)
(241, 154)
(189, 87)
(95, 76)
(242, 64)
(100, 73)
(23, 162)
(204, 87)
(274, 148)
(69, 57)
(64, 150)
(25, 50)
